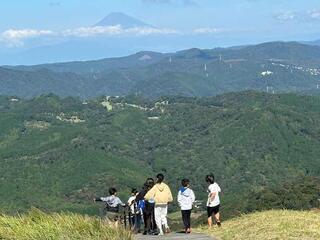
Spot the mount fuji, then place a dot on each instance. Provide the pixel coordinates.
(118, 18)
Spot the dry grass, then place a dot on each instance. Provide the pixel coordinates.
(37, 225)
(275, 224)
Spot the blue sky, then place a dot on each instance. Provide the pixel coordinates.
(32, 23)
(175, 13)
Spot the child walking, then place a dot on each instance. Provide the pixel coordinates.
(213, 203)
(186, 199)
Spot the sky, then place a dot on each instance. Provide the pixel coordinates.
(206, 23)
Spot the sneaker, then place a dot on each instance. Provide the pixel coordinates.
(168, 230)
(219, 224)
(188, 231)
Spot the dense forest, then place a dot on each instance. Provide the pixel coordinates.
(58, 153)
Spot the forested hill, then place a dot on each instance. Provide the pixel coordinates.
(275, 67)
(57, 154)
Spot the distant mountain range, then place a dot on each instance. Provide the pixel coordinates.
(274, 67)
(117, 34)
(125, 21)
(94, 46)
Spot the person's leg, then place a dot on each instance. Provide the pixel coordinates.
(184, 219)
(153, 221)
(188, 220)
(145, 220)
(158, 218)
(164, 218)
(209, 211)
(137, 224)
(132, 220)
(217, 215)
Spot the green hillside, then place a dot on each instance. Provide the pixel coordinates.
(276, 67)
(57, 154)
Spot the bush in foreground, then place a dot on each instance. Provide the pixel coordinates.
(280, 224)
(37, 225)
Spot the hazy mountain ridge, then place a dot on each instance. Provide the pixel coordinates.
(275, 66)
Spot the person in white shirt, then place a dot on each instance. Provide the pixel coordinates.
(213, 203)
(134, 214)
(186, 199)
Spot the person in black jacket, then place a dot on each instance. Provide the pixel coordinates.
(150, 226)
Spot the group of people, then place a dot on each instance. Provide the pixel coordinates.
(150, 205)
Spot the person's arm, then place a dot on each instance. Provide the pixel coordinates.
(179, 198)
(193, 197)
(100, 199)
(213, 193)
(170, 198)
(150, 194)
(120, 203)
(140, 195)
(130, 202)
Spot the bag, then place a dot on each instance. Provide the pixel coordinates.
(141, 205)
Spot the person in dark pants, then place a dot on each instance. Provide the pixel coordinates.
(186, 199)
(150, 227)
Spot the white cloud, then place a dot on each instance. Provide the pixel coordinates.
(207, 30)
(285, 16)
(314, 14)
(15, 38)
(93, 31)
(115, 30)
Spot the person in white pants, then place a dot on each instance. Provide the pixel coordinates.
(161, 195)
(160, 213)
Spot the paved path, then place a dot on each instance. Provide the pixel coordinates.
(175, 236)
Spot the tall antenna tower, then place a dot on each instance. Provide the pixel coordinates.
(318, 86)
(220, 56)
(170, 60)
(205, 67)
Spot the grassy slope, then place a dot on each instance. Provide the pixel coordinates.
(38, 226)
(280, 224)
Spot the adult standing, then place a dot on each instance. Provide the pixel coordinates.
(161, 194)
(213, 203)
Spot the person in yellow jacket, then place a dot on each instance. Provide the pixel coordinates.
(161, 195)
